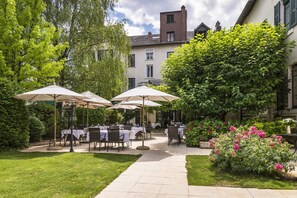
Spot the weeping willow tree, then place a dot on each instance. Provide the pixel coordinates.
(98, 46)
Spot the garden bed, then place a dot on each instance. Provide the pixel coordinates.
(201, 172)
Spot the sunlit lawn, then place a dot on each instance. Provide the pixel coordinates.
(59, 174)
(202, 173)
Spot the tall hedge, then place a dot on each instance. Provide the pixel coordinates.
(14, 133)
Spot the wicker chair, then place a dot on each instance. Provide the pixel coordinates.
(115, 137)
(173, 134)
(96, 137)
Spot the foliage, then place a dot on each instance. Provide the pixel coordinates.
(14, 132)
(96, 116)
(204, 130)
(27, 51)
(36, 129)
(44, 111)
(114, 117)
(98, 47)
(201, 172)
(275, 127)
(230, 70)
(243, 150)
(59, 174)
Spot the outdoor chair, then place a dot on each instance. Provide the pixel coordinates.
(173, 134)
(148, 130)
(115, 137)
(51, 141)
(96, 137)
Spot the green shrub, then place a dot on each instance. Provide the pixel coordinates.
(206, 129)
(276, 127)
(44, 111)
(96, 116)
(243, 150)
(14, 132)
(36, 129)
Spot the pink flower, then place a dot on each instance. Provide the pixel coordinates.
(261, 134)
(236, 147)
(232, 128)
(236, 141)
(278, 167)
(238, 136)
(216, 151)
(253, 128)
(246, 133)
(245, 137)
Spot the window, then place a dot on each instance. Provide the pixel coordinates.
(290, 7)
(170, 36)
(169, 54)
(131, 83)
(170, 18)
(294, 86)
(132, 60)
(277, 14)
(104, 54)
(149, 54)
(149, 71)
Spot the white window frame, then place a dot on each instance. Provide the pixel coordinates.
(149, 70)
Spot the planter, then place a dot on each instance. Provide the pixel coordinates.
(204, 144)
(288, 129)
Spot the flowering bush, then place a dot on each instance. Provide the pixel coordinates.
(250, 150)
(276, 127)
(206, 129)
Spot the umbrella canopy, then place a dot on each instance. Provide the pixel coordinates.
(147, 103)
(93, 98)
(123, 106)
(144, 92)
(52, 92)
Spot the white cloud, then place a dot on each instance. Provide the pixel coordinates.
(147, 13)
(133, 30)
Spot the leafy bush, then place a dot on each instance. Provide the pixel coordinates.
(44, 111)
(96, 116)
(206, 129)
(14, 132)
(276, 127)
(36, 129)
(250, 151)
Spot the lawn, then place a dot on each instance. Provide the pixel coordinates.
(59, 174)
(202, 173)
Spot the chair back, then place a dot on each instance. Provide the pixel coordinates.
(94, 134)
(114, 127)
(173, 132)
(127, 127)
(113, 135)
(68, 138)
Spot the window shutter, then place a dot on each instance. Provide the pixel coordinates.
(277, 14)
(293, 13)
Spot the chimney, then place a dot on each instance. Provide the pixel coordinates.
(218, 26)
(183, 23)
(149, 34)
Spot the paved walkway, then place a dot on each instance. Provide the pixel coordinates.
(161, 172)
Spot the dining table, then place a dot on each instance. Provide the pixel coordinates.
(126, 134)
(76, 132)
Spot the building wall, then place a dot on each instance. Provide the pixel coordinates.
(139, 72)
(179, 27)
(264, 10)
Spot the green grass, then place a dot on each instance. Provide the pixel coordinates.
(202, 173)
(59, 174)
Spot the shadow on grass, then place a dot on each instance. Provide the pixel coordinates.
(16, 155)
(115, 157)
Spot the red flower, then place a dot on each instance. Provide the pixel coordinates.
(232, 128)
(278, 167)
(236, 147)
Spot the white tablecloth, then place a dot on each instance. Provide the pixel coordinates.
(125, 132)
(135, 130)
(180, 131)
(76, 132)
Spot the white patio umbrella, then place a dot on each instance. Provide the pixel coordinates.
(123, 106)
(147, 103)
(51, 93)
(144, 93)
(94, 101)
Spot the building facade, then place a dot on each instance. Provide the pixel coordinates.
(275, 12)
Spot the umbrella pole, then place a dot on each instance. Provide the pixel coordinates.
(87, 114)
(83, 116)
(55, 121)
(143, 129)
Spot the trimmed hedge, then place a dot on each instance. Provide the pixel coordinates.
(36, 129)
(14, 133)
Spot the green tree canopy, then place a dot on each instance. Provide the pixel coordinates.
(27, 53)
(98, 47)
(229, 70)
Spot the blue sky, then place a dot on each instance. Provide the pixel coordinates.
(143, 16)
